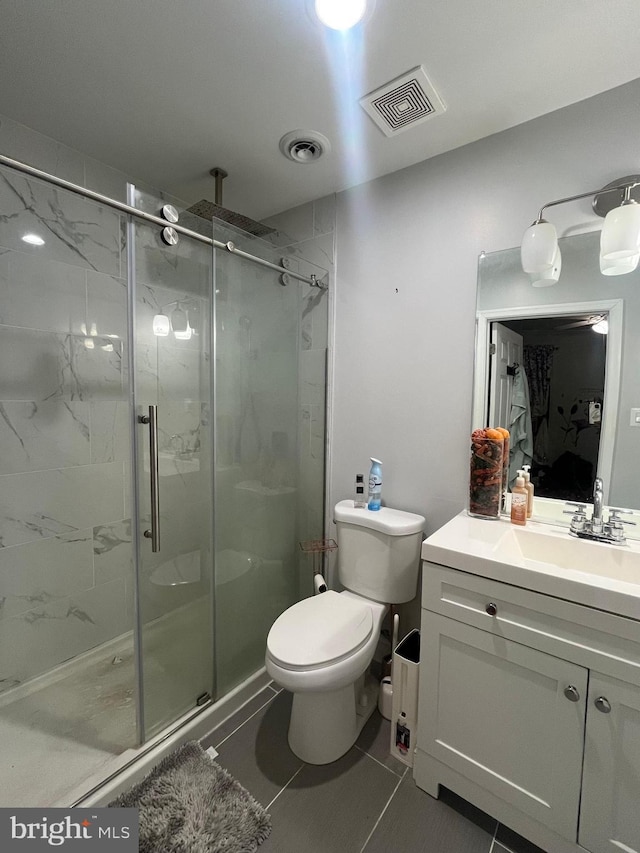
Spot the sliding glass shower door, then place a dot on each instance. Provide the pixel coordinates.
(262, 453)
(172, 307)
(119, 610)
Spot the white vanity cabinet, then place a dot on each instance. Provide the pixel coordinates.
(530, 708)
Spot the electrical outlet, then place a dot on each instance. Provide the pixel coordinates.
(635, 417)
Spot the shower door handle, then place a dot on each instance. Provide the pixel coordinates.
(154, 532)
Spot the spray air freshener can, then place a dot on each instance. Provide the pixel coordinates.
(375, 485)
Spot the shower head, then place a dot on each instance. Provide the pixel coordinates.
(210, 210)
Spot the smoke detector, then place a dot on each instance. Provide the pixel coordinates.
(304, 146)
(405, 102)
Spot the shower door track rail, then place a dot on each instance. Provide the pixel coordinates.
(149, 217)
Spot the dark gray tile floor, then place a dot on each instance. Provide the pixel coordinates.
(367, 802)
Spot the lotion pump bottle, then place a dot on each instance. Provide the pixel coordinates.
(375, 485)
(519, 496)
(526, 473)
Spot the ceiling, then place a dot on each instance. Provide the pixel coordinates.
(166, 89)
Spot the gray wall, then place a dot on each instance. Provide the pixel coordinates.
(407, 248)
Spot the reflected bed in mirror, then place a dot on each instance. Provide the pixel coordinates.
(582, 425)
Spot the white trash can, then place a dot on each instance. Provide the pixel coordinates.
(404, 714)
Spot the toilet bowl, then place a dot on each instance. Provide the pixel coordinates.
(324, 670)
(321, 648)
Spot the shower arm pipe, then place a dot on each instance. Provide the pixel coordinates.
(626, 188)
(149, 217)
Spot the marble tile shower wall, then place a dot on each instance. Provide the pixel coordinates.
(63, 425)
(307, 233)
(87, 565)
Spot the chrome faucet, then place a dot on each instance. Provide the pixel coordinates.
(598, 497)
(595, 527)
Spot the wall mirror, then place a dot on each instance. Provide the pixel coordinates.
(585, 418)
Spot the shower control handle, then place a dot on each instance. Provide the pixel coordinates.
(154, 533)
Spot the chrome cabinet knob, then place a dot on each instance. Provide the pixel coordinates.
(491, 608)
(572, 693)
(603, 705)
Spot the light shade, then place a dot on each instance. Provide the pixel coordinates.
(601, 327)
(161, 325)
(620, 266)
(184, 335)
(549, 276)
(340, 14)
(179, 320)
(620, 236)
(539, 247)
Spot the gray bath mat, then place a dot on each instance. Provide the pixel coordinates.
(189, 804)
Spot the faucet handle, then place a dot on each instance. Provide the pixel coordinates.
(578, 517)
(579, 508)
(614, 516)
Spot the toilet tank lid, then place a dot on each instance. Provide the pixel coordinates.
(393, 522)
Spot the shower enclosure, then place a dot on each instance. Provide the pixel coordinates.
(155, 473)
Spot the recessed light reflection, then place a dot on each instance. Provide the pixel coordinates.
(33, 240)
(340, 14)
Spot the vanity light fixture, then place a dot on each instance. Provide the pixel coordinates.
(179, 322)
(619, 266)
(550, 275)
(601, 327)
(620, 238)
(161, 325)
(619, 241)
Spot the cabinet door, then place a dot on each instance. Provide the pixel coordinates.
(610, 809)
(496, 712)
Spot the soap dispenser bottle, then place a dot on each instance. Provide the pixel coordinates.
(375, 485)
(519, 496)
(526, 473)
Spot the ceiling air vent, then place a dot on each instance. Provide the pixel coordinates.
(405, 102)
(304, 146)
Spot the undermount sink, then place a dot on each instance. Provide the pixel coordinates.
(566, 552)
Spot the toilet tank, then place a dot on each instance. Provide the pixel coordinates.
(379, 552)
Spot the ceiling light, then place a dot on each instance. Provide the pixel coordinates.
(601, 327)
(33, 240)
(340, 14)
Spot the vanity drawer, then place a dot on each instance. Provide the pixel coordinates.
(584, 635)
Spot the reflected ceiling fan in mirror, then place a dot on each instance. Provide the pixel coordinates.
(598, 323)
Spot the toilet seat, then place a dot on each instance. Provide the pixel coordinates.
(319, 631)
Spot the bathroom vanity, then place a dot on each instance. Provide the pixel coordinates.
(530, 681)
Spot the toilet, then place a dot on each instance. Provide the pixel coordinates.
(321, 648)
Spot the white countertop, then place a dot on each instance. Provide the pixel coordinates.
(491, 549)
